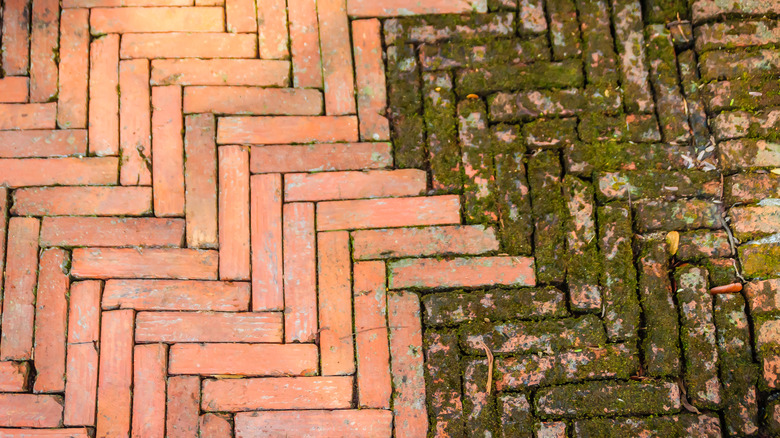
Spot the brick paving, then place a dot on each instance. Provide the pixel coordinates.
(507, 218)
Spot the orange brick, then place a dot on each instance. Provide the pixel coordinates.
(84, 315)
(462, 272)
(20, 279)
(149, 373)
(209, 2)
(272, 28)
(15, 53)
(300, 265)
(215, 296)
(43, 45)
(337, 354)
(234, 261)
(341, 423)
(266, 231)
(351, 185)
(215, 426)
(381, 213)
(393, 8)
(13, 89)
(371, 335)
(28, 115)
(51, 319)
(234, 395)
(44, 433)
(243, 359)
(144, 263)
(188, 45)
(172, 327)
(14, 376)
(82, 201)
(370, 80)
(240, 15)
(111, 231)
(74, 69)
(247, 72)
(168, 150)
(81, 384)
(422, 242)
(55, 171)
(160, 19)
(276, 130)
(116, 374)
(183, 406)
(30, 410)
(115, 3)
(42, 143)
(200, 179)
(104, 96)
(406, 364)
(305, 43)
(252, 100)
(3, 230)
(321, 157)
(336, 59)
(135, 129)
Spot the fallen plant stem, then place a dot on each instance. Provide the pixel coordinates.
(490, 366)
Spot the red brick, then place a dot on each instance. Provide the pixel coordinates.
(337, 355)
(135, 129)
(42, 143)
(16, 38)
(234, 213)
(84, 314)
(172, 327)
(235, 395)
(393, 8)
(266, 236)
(82, 201)
(116, 3)
(200, 179)
(111, 231)
(300, 265)
(350, 185)
(28, 115)
(240, 15)
(462, 272)
(216, 296)
(30, 410)
(380, 213)
(183, 406)
(321, 157)
(341, 423)
(13, 89)
(81, 384)
(305, 43)
(371, 335)
(44, 433)
(144, 263)
(215, 426)
(43, 46)
(421, 242)
(168, 150)
(275, 130)
(162, 19)
(370, 80)
(248, 72)
(272, 29)
(116, 374)
(336, 59)
(14, 376)
(252, 100)
(243, 359)
(104, 95)
(187, 45)
(149, 373)
(406, 364)
(54, 171)
(51, 318)
(3, 231)
(73, 69)
(20, 279)
(754, 221)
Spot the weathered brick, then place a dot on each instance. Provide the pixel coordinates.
(234, 395)
(188, 45)
(550, 133)
(751, 94)
(479, 196)
(168, 150)
(763, 296)
(736, 124)
(443, 383)
(630, 43)
(15, 53)
(104, 95)
(461, 272)
(516, 415)
(370, 80)
(750, 187)
(720, 64)
(703, 10)
(441, 124)
(28, 116)
(564, 32)
(173, 327)
(247, 72)
(521, 106)
(758, 258)
(640, 128)
(320, 157)
(115, 377)
(672, 114)
(506, 76)
(773, 415)
(144, 263)
(405, 106)
(335, 304)
(234, 253)
(392, 8)
(700, 243)
(705, 426)
(111, 231)
(613, 398)
(421, 242)
(433, 28)
(664, 11)
(582, 270)
(491, 53)
(549, 213)
(551, 429)
(531, 17)
(513, 198)
(665, 184)
(73, 69)
(293, 129)
(44, 43)
(200, 180)
(30, 410)
(300, 271)
(161, 19)
(135, 128)
(182, 407)
(243, 359)
(598, 47)
(747, 153)
(266, 233)
(749, 222)
(584, 158)
(14, 376)
(176, 295)
(684, 214)
(363, 422)
(51, 319)
(733, 35)
(389, 212)
(149, 381)
(479, 404)
(350, 185)
(304, 43)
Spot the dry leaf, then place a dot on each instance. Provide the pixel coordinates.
(775, 171)
(673, 240)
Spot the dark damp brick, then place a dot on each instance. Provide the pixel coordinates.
(736, 34)
(750, 95)
(479, 197)
(750, 187)
(479, 401)
(694, 99)
(516, 416)
(682, 34)
(684, 214)
(598, 48)
(483, 54)
(443, 382)
(550, 216)
(773, 415)
(527, 105)
(435, 28)
(764, 124)
(638, 128)
(664, 11)
(748, 153)
(655, 184)
(542, 75)
(497, 5)
(450, 308)
(584, 158)
(405, 107)
(671, 108)
(722, 271)
(550, 133)
(564, 29)
(441, 124)
(703, 244)
(514, 205)
(532, 336)
(608, 398)
(760, 260)
(682, 425)
(583, 265)
(721, 64)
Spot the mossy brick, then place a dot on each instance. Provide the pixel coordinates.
(760, 258)
(537, 75)
(479, 197)
(516, 416)
(660, 344)
(767, 340)
(584, 158)
(547, 335)
(697, 333)
(722, 271)
(498, 5)
(550, 216)
(638, 128)
(682, 34)
(698, 244)
(750, 187)
(551, 429)
(630, 44)
(737, 124)
(479, 401)
(772, 415)
(531, 19)
(618, 279)
(664, 11)
(550, 133)
(763, 297)
(441, 124)
(490, 53)
(682, 214)
(608, 398)
(435, 28)
(704, 10)
(754, 221)
(583, 266)
(527, 105)
(598, 48)
(656, 184)
(514, 204)
(443, 382)
(405, 107)
(736, 34)
(694, 100)
(721, 64)
(564, 29)
(671, 426)
(670, 104)
(748, 153)
(751, 94)
(612, 361)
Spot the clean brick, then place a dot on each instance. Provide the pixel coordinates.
(304, 43)
(161, 19)
(320, 157)
(144, 263)
(116, 374)
(244, 359)
(350, 185)
(422, 242)
(337, 67)
(271, 28)
(343, 423)
(168, 150)
(300, 270)
(53, 171)
(217, 296)
(215, 426)
(235, 395)
(104, 95)
(247, 72)
(608, 398)
(335, 304)
(183, 406)
(111, 231)
(73, 69)
(42, 143)
(266, 236)
(276, 130)
(393, 8)
(14, 376)
(252, 101)
(28, 116)
(173, 327)
(370, 80)
(380, 213)
(149, 373)
(51, 318)
(135, 129)
(240, 16)
(16, 38)
(462, 272)
(13, 89)
(43, 45)
(82, 201)
(81, 384)
(124, 3)
(84, 314)
(200, 180)
(30, 410)
(234, 263)
(188, 45)
(54, 433)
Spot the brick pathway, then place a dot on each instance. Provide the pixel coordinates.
(550, 218)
